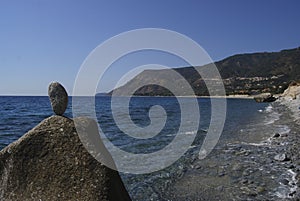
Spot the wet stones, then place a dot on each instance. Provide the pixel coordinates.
(284, 182)
(281, 157)
(58, 98)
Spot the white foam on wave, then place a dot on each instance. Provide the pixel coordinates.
(192, 146)
(183, 133)
(190, 132)
(272, 115)
(293, 105)
(269, 108)
(204, 129)
(285, 191)
(272, 118)
(269, 126)
(284, 129)
(264, 143)
(293, 180)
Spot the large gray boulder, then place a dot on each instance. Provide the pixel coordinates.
(50, 163)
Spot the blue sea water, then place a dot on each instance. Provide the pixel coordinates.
(20, 114)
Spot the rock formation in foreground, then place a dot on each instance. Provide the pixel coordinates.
(292, 91)
(50, 163)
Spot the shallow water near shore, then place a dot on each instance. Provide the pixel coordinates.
(241, 167)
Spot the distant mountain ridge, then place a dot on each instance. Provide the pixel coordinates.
(249, 73)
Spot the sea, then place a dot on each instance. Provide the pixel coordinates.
(247, 123)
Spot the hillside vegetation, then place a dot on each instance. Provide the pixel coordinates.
(242, 74)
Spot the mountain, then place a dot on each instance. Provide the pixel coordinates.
(242, 74)
(102, 94)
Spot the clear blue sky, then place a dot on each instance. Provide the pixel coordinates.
(45, 40)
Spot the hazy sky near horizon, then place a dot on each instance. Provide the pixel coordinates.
(46, 40)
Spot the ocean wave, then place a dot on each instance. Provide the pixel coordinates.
(270, 119)
(190, 132)
(263, 143)
(269, 109)
(283, 129)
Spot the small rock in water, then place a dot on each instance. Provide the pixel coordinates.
(276, 135)
(58, 98)
(281, 157)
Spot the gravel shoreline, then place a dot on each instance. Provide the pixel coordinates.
(266, 170)
(293, 149)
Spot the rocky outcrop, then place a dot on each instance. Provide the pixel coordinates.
(50, 163)
(292, 91)
(264, 97)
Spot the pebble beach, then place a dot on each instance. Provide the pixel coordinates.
(263, 168)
